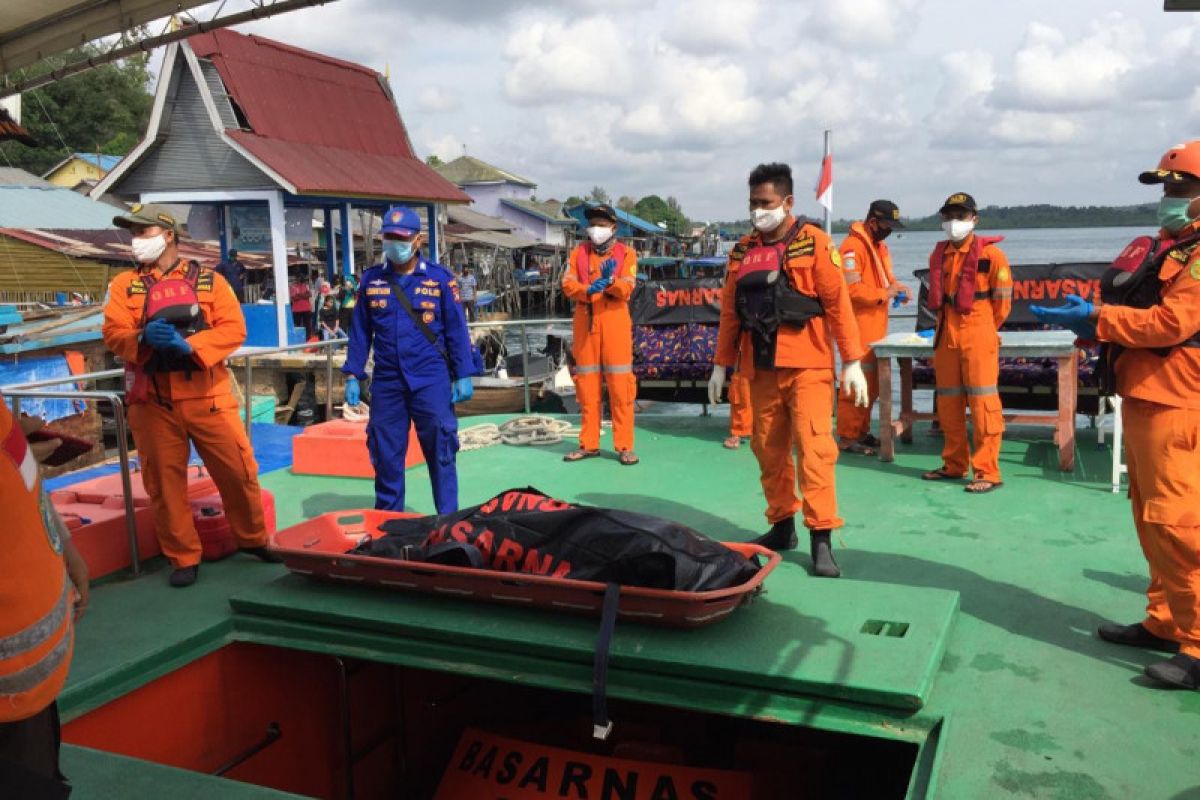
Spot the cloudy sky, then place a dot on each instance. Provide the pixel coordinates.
(1015, 101)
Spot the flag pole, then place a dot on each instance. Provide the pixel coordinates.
(829, 205)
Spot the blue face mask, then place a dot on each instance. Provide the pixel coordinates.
(1173, 213)
(398, 252)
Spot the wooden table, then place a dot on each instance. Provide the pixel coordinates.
(904, 347)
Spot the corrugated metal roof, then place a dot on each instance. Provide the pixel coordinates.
(536, 209)
(12, 176)
(52, 207)
(508, 241)
(461, 215)
(325, 125)
(632, 220)
(112, 246)
(466, 170)
(99, 160)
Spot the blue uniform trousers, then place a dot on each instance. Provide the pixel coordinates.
(393, 405)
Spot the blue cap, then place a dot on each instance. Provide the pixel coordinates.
(402, 220)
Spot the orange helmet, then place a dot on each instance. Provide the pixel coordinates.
(1180, 163)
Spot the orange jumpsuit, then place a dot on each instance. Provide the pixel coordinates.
(867, 265)
(1161, 414)
(741, 413)
(966, 362)
(200, 410)
(603, 341)
(793, 403)
(36, 632)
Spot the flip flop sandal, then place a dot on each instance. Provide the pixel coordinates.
(732, 443)
(987, 486)
(628, 458)
(940, 475)
(858, 448)
(580, 454)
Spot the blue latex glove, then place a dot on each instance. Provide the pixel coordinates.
(599, 285)
(927, 333)
(353, 391)
(899, 298)
(461, 390)
(608, 268)
(161, 335)
(1074, 316)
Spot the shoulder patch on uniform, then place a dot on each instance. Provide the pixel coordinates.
(1003, 274)
(803, 245)
(1195, 270)
(135, 287)
(204, 281)
(429, 283)
(1183, 253)
(835, 257)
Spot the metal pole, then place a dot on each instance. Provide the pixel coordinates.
(249, 397)
(525, 363)
(328, 381)
(135, 556)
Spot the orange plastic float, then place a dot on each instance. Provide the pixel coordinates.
(339, 448)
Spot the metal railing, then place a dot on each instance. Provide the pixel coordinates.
(117, 401)
(115, 398)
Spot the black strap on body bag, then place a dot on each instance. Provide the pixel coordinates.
(425, 330)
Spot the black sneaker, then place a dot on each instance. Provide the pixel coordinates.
(1181, 672)
(262, 554)
(184, 576)
(1135, 635)
(782, 536)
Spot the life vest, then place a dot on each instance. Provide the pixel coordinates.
(583, 259)
(173, 298)
(765, 298)
(35, 626)
(964, 298)
(1133, 280)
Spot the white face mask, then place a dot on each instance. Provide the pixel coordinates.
(147, 249)
(768, 219)
(958, 229)
(599, 234)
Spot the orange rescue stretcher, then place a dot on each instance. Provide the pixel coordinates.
(319, 548)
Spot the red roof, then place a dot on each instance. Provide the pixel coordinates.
(324, 125)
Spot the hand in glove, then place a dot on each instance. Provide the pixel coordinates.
(854, 383)
(461, 390)
(599, 285)
(715, 383)
(608, 268)
(353, 391)
(162, 335)
(1075, 316)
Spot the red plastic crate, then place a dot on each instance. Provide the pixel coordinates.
(318, 548)
(339, 448)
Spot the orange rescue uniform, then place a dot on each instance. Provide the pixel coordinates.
(36, 596)
(741, 412)
(966, 360)
(867, 265)
(1161, 414)
(793, 402)
(603, 341)
(184, 409)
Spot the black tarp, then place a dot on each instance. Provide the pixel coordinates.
(677, 301)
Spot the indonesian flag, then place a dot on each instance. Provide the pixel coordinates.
(825, 182)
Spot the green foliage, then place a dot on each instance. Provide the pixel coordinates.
(598, 195)
(572, 201)
(434, 161)
(653, 208)
(626, 203)
(104, 109)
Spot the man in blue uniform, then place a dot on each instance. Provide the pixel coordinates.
(409, 310)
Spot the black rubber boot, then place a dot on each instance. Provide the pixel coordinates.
(184, 576)
(1135, 635)
(1181, 672)
(822, 556)
(262, 554)
(782, 536)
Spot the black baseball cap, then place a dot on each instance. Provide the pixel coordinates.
(601, 210)
(959, 200)
(887, 211)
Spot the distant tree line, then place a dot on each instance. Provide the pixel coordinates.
(1009, 217)
(651, 208)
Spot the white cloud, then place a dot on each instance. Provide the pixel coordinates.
(447, 146)
(555, 60)
(856, 24)
(1052, 73)
(702, 27)
(436, 99)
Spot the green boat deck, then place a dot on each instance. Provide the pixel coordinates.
(998, 678)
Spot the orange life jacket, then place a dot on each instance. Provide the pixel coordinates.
(36, 635)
